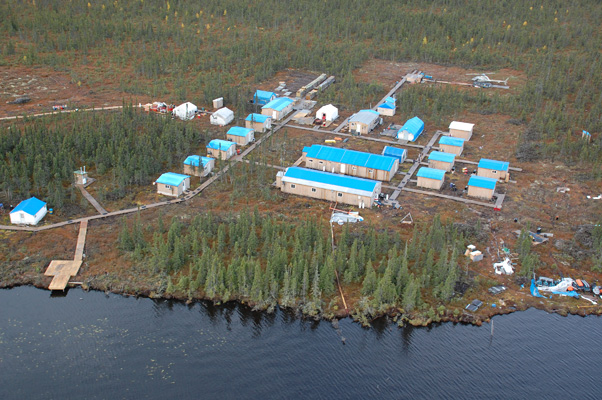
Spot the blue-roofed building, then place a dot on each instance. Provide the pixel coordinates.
(481, 187)
(430, 178)
(278, 108)
(411, 129)
(28, 212)
(364, 121)
(351, 162)
(172, 184)
(441, 160)
(400, 154)
(263, 97)
(493, 169)
(198, 166)
(452, 145)
(327, 186)
(388, 107)
(221, 149)
(241, 136)
(258, 122)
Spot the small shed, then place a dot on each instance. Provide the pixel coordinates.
(80, 176)
(258, 122)
(395, 152)
(430, 178)
(198, 166)
(388, 107)
(451, 145)
(221, 149)
(241, 136)
(364, 121)
(441, 160)
(172, 184)
(185, 111)
(461, 130)
(263, 97)
(493, 169)
(222, 117)
(28, 212)
(278, 108)
(327, 113)
(218, 103)
(411, 129)
(481, 187)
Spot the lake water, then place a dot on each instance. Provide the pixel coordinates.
(90, 345)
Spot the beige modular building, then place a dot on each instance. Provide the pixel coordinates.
(258, 122)
(350, 162)
(241, 136)
(462, 130)
(363, 122)
(278, 108)
(481, 187)
(327, 186)
(172, 184)
(198, 166)
(221, 149)
(493, 169)
(441, 160)
(452, 145)
(430, 178)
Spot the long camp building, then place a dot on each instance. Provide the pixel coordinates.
(351, 162)
(327, 186)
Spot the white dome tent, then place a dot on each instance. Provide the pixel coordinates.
(222, 117)
(185, 111)
(327, 112)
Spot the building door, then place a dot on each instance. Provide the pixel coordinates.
(358, 129)
(22, 217)
(342, 168)
(275, 115)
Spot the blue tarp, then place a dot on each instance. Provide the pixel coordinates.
(534, 290)
(571, 293)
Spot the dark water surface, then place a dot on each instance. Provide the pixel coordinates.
(89, 345)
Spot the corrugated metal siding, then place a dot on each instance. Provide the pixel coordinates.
(351, 157)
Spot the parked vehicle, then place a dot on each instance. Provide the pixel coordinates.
(474, 305)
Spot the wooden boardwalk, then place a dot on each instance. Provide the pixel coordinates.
(81, 241)
(63, 270)
(460, 199)
(92, 200)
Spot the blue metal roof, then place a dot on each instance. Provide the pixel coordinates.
(452, 141)
(263, 97)
(219, 144)
(482, 182)
(30, 206)
(431, 173)
(388, 103)
(197, 161)
(239, 131)
(494, 164)
(442, 156)
(350, 182)
(414, 125)
(172, 179)
(351, 157)
(306, 149)
(257, 118)
(389, 151)
(278, 104)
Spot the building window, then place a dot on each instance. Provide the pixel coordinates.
(354, 168)
(321, 162)
(370, 171)
(313, 190)
(494, 172)
(340, 194)
(167, 187)
(311, 161)
(293, 186)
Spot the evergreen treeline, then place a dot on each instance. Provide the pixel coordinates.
(134, 149)
(257, 258)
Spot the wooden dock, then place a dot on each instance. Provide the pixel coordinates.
(63, 270)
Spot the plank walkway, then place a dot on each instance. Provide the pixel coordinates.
(460, 199)
(63, 270)
(81, 241)
(92, 200)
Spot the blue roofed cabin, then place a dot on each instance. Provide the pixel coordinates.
(388, 107)
(493, 169)
(451, 145)
(327, 186)
(400, 154)
(481, 187)
(278, 108)
(28, 212)
(198, 166)
(221, 149)
(441, 160)
(363, 121)
(172, 184)
(241, 136)
(263, 97)
(350, 162)
(430, 178)
(258, 122)
(411, 130)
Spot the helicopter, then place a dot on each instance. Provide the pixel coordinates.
(482, 78)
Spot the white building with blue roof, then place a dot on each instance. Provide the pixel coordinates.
(481, 187)
(198, 165)
(388, 107)
(411, 130)
(493, 169)
(221, 149)
(430, 178)
(28, 212)
(258, 122)
(441, 160)
(350, 162)
(172, 184)
(364, 121)
(451, 145)
(327, 186)
(400, 154)
(278, 108)
(241, 136)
